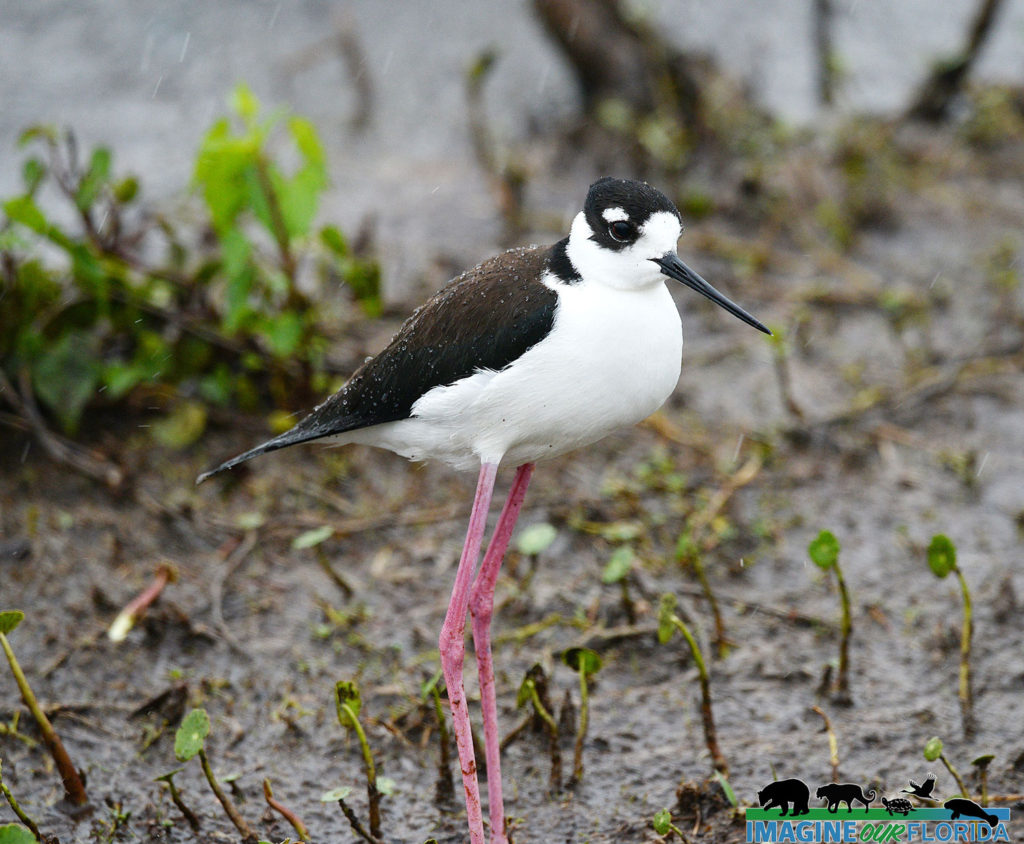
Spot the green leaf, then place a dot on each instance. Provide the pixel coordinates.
(9, 619)
(244, 102)
(126, 190)
(335, 794)
(723, 781)
(312, 537)
(189, 738)
(23, 210)
(824, 550)
(535, 539)
(666, 610)
(284, 333)
(941, 555)
(619, 565)
(333, 239)
(663, 822)
(933, 748)
(525, 693)
(94, 179)
(33, 171)
(582, 659)
(182, 427)
(15, 833)
(624, 531)
(385, 785)
(349, 702)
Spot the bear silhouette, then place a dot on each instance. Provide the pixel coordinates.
(969, 809)
(847, 792)
(782, 793)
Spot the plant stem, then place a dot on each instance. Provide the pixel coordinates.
(354, 823)
(581, 733)
(833, 745)
(556, 755)
(846, 627)
(965, 693)
(240, 823)
(955, 775)
(25, 819)
(710, 734)
(189, 815)
(285, 812)
(445, 785)
(73, 786)
(373, 796)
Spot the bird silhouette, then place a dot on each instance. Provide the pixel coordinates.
(923, 791)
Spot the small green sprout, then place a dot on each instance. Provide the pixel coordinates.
(530, 693)
(824, 553)
(348, 702)
(190, 816)
(189, 741)
(942, 561)
(531, 542)
(981, 766)
(668, 623)
(74, 788)
(933, 751)
(663, 824)
(584, 662)
(445, 791)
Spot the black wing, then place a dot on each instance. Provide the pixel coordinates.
(484, 319)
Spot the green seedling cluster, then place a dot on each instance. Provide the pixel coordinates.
(942, 562)
(531, 692)
(132, 304)
(74, 788)
(663, 825)
(824, 553)
(668, 623)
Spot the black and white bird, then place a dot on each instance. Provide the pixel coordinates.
(531, 354)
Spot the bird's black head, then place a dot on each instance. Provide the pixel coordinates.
(616, 210)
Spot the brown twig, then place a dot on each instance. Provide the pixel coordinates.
(126, 619)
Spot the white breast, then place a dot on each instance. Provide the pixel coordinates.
(611, 359)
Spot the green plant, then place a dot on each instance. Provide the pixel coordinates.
(585, 663)
(176, 799)
(13, 833)
(668, 622)
(190, 741)
(348, 702)
(942, 562)
(617, 570)
(74, 788)
(530, 693)
(663, 825)
(824, 553)
(119, 299)
(933, 751)
(284, 811)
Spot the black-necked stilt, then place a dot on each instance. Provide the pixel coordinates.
(531, 354)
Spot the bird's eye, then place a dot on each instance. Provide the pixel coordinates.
(622, 231)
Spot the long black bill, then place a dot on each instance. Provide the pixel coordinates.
(674, 268)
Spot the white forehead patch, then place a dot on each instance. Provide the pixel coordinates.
(612, 214)
(662, 228)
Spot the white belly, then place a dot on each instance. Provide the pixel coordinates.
(611, 359)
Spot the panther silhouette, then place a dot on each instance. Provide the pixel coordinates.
(847, 792)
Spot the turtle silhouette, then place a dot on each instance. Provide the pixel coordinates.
(897, 806)
(782, 793)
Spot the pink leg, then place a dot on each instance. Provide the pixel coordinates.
(481, 607)
(453, 647)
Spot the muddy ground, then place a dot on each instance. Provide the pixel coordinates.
(905, 360)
